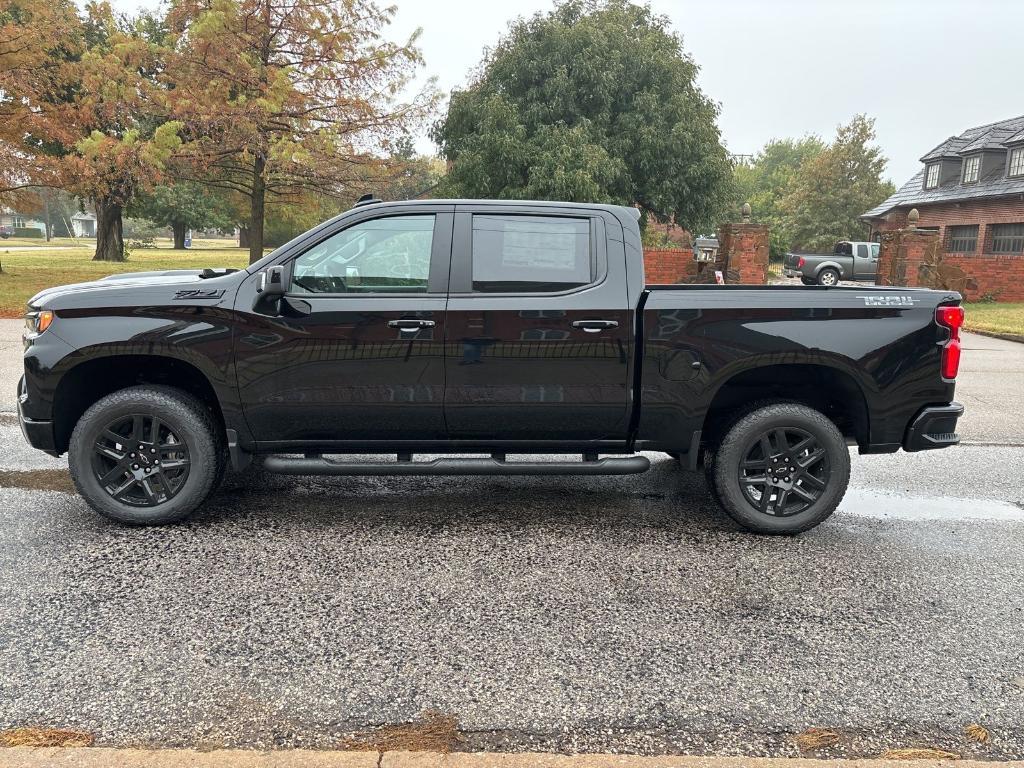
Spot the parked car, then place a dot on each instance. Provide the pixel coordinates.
(849, 261)
(6, 232)
(480, 327)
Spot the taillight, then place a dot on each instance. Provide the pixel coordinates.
(801, 262)
(953, 319)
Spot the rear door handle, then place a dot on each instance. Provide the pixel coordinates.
(593, 326)
(410, 325)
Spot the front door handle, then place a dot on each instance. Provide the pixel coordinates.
(595, 326)
(407, 326)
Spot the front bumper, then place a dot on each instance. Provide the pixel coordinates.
(39, 434)
(933, 427)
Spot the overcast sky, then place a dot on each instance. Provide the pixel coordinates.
(925, 69)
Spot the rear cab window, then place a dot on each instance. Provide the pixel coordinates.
(530, 253)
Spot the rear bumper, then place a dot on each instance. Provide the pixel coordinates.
(39, 434)
(933, 427)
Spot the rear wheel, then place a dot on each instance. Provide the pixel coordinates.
(145, 455)
(808, 281)
(781, 469)
(828, 276)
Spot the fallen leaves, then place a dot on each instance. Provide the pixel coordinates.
(38, 736)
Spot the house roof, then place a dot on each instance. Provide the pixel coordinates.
(992, 137)
(84, 216)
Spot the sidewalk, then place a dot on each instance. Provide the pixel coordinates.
(174, 758)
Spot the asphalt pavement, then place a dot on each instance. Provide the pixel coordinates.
(544, 613)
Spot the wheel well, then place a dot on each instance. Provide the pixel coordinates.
(825, 389)
(87, 382)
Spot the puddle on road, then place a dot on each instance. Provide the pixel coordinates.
(896, 506)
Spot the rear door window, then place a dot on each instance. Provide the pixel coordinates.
(530, 254)
(862, 250)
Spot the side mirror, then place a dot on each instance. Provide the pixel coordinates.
(272, 283)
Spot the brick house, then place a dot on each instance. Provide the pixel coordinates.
(970, 189)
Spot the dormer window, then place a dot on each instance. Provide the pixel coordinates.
(931, 178)
(1016, 162)
(971, 167)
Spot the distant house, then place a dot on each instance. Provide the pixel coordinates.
(970, 189)
(12, 221)
(83, 224)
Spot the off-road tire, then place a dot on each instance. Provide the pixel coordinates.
(192, 424)
(828, 276)
(725, 471)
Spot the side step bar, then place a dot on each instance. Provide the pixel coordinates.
(496, 465)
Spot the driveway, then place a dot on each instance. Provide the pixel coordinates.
(574, 614)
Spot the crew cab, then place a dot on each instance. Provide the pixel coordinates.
(848, 261)
(497, 329)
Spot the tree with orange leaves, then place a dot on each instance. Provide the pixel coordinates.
(280, 98)
(93, 116)
(34, 37)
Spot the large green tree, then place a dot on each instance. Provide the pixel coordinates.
(767, 179)
(184, 206)
(594, 101)
(834, 187)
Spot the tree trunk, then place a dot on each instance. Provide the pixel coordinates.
(46, 208)
(109, 230)
(257, 201)
(179, 229)
(243, 237)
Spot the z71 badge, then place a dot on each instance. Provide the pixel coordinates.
(196, 293)
(889, 301)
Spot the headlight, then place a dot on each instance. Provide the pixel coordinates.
(37, 321)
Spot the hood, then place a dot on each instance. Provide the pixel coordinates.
(132, 281)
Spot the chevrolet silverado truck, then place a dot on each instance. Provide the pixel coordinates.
(848, 261)
(495, 330)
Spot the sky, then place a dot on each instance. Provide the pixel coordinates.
(924, 69)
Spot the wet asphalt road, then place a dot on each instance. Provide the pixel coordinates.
(545, 613)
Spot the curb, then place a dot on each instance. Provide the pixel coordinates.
(100, 757)
(997, 335)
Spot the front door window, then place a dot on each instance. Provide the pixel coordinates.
(390, 255)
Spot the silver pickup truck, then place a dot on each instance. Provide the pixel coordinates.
(849, 261)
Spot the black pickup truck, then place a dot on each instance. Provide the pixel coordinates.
(493, 328)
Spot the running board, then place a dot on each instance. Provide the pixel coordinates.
(496, 465)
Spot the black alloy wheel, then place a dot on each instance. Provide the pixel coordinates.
(781, 468)
(140, 461)
(784, 471)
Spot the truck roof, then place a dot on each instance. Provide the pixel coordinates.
(620, 209)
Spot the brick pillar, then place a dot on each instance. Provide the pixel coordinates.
(743, 253)
(904, 252)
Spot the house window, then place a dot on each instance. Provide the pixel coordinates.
(1008, 238)
(963, 238)
(971, 166)
(18, 222)
(1017, 162)
(931, 179)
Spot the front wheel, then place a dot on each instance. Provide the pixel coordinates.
(781, 469)
(145, 455)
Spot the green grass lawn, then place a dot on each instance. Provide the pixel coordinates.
(995, 318)
(25, 273)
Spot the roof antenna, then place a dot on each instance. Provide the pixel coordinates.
(367, 199)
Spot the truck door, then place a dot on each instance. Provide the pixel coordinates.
(356, 352)
(540, 336)
(864, 263)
